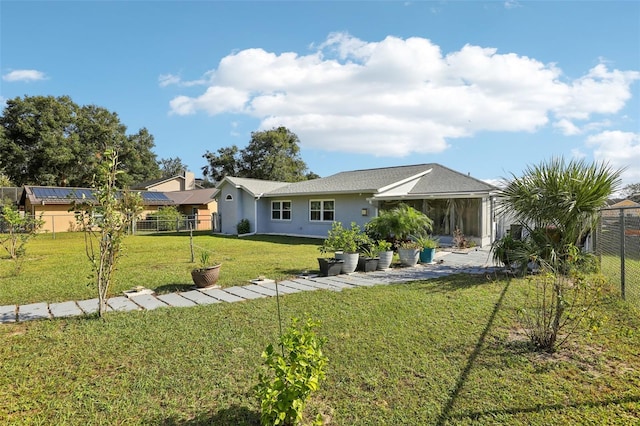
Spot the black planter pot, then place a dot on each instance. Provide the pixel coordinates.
(367, 264)
(330, 266)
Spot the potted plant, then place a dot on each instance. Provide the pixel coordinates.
(206, 275)
(329, 266)
(385, 254)
(368, 260)
(399, 224)
(429, 246)
(409, 252)
(346, 242)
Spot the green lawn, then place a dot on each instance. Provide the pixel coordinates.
(57, 270)
(436, 352)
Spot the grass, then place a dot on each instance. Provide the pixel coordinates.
(441, 352)
(57, 270)
(611, 268)
(437, 352)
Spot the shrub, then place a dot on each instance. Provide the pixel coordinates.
(167, 218)
(19, 230)
(294, 374)
(349, 240)
(399, 223)
(243, 227)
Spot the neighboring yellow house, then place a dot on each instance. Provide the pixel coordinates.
(198, 203)
(55, 204)
(184, 182)
(630, 208)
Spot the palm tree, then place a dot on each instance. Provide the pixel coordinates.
(562, 199)
(558, 203)
(400, 223)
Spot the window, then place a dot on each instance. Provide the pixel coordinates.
(322, 210)
(281, 210)
(229, 197)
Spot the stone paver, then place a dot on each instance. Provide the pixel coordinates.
(296, 285)
(446, 263)
(223, 295)
(281, 289)
(65, 309)
(261, 289)
(89, 306)
(336, 282)
(122, 303)
(8, 313)
(33, 311)
(148, 301)
(176, 299)
(243, 293)
(199, 297)
(315, 282)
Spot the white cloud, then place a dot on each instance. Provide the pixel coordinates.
(620, 150)
(24, 75)
(352, 95)
(567, 127)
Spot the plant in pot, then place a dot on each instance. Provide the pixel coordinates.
(207, 274)
(399, 224)
(409, 252)
(429, 245)
(346, 242)
(368, 260)
(329, 266)
(384, 250)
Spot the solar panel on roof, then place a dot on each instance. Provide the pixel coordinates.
(61, 193)
(154, 196)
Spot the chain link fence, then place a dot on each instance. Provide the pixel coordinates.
(617, 245)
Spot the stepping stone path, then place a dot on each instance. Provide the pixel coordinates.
(256, 290)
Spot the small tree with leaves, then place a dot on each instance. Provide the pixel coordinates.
(105, 222)
(16, 230)
(294, 373)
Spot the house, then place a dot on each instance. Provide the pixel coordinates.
(196, 203)
(55, 204)
(183, 182)
(452, 199)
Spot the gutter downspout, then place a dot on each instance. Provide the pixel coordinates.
(255, 213)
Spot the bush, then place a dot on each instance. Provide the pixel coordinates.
(168, 218)
(294, 375)
(243, 227)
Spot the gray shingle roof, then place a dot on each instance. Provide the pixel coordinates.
(443, 180)
(255, 186)
(369, 180)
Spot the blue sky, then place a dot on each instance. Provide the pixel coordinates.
(485, 88)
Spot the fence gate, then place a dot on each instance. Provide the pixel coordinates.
(617, 245)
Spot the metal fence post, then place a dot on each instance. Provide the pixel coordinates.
(622, 253)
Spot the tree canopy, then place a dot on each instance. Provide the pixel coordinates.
(46, 140)
(170, 167)
(271, 155)
(632, 192)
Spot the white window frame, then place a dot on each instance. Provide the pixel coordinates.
(322, 210)
(281, 210)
